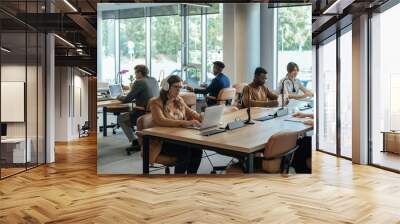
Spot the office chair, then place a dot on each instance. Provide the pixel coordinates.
(84, 130)
(239, 93)
(225, 96)
(279, 152)
(146, 121)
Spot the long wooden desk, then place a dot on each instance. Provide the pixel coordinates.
(112, 106)
(243, 142)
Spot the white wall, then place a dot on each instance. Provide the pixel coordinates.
(71, 102)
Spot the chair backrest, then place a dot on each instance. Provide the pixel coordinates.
(189, 98)
(277, 144)
(225, 95)
(239, 87)
(143, 122)
(239, 93)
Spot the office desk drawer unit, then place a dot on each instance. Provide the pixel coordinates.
(13, 151)
(391, 141)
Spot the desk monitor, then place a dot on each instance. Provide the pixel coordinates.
(3, 130)
(115, 90)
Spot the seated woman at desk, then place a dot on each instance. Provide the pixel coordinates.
(305, 115)
(293, 85)
(169, 110)
(256, 94)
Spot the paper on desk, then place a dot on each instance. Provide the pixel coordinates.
(297, 119)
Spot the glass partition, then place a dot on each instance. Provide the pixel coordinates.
(22, 102)
(327, 97)
(385, 89)
(15, 151)
(345, 94)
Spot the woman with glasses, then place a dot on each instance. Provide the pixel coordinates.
(169, 110)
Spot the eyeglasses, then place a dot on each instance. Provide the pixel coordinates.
(177, 86)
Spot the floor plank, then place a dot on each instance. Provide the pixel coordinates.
(70, 191)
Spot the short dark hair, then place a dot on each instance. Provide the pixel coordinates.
(142, 69)
(219, 64)
(291, 66)
(260, 70)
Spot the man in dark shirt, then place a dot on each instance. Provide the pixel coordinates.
(220, 81)
(143, 89)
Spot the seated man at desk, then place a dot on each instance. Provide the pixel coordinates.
(220, 81)
(293, 85)
(143, 89)
(169, 110)
(256, 94)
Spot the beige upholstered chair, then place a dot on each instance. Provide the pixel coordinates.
(144, 122)
(239, 92)
(239, 87)
(189, 98)
(225, 96)
(280, 146)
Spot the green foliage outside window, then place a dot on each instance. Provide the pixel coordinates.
(294, 28)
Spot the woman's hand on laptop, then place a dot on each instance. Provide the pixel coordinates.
(194, 123)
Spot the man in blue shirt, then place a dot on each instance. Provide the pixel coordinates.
(220, 81)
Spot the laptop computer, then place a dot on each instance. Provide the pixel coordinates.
(212, 117)
(115, 91)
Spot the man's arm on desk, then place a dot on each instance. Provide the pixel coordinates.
(136, 89)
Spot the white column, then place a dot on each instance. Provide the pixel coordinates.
(268, 43)
(241, 41)
(248, 41)
(360, 90)
(229, 41)
(50, 99)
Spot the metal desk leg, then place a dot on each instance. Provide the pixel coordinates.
(146, 148)
(250, 163)
(104, 121)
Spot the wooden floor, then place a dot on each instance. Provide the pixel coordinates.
(69, 191)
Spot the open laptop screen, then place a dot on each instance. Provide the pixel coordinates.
(115, 90)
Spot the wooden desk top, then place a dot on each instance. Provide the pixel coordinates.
(250, 138)
(108, 103)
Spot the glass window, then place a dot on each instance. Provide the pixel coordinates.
(194, 53)
(165, 46)
(108, 53)
(132, 46)
(294, 42)
(214, 41)
(345, 94)
(327, 97)
(385, 84)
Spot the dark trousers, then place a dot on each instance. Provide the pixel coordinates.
(187, 159)
(135, 114)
